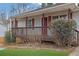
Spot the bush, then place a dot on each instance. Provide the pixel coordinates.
(62, 31)
(9, 38)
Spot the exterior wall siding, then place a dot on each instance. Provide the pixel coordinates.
(38, 19)
(21, 23)
(55, 14)
(76, 18)
(38, 23)
(35, 31)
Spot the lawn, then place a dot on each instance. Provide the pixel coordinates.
(32, 52)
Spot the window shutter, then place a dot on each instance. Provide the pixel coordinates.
(33, 23)
(71, 15)
(49, 18)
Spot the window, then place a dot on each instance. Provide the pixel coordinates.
(55, 17)
(29, 23)
(63, 16)
(21, 31)
(59, 17)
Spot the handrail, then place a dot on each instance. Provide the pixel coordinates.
(77, 36)
(30, 27)
(76, 30)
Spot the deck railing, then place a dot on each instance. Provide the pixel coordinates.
(76, 36)
(24, 31)
(35, 33)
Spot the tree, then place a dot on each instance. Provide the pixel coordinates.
(18, 8)
(3, 17)
(62, 31)
(21, 7)
(9, 38)
(13, 10)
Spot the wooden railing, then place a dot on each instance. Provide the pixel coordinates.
(23, 31)
(77, 36)
(35, 33)
(19, 31)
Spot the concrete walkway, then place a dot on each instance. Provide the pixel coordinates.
(75, 52)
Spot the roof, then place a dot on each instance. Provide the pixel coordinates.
(46, 10)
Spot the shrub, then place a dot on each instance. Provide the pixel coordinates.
(62, 31)
(9, 38)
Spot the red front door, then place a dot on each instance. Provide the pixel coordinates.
(44, 26)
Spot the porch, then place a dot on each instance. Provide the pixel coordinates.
(27, 29)
(32, 34)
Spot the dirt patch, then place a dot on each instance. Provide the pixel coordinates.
(40, 46)
(2, 41)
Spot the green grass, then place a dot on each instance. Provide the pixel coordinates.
(32, 52)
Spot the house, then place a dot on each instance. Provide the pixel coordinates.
(33, 25)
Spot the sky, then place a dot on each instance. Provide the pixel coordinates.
(2, 30)
(7, 7)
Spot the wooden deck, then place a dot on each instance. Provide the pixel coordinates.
(21, 32)
(24, 38)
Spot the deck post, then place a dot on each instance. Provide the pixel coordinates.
(11, 28)
(26, 29)
(26, 25)
(16, 26)
(49, 19)
(78, 38)
(69, 14)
